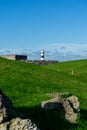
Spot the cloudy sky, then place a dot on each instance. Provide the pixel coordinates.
(57, 26)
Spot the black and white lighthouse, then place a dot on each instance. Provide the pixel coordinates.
(42, 55)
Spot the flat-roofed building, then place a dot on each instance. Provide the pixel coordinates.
(15, 57)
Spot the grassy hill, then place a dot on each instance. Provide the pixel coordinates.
(27, 84)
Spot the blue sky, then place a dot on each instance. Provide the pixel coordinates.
(57, 26)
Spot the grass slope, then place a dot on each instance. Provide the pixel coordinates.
(27, 84)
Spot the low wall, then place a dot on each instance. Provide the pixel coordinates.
(44, 62)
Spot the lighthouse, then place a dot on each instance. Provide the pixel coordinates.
(42, 55)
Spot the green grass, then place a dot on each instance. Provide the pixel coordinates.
(27, 85)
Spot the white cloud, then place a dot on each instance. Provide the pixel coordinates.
(58, 51)
(70, 51)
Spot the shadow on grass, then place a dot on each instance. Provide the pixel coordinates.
(45, 120)
(83, 114)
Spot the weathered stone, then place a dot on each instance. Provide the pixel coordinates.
(71, 114)
(7, 113)
(6, 107)
(22, 124)
(57, 94)
(18, 124)
(52, 104)
(74, 101)
(72, 108)
(68, 108)
(4, 126)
